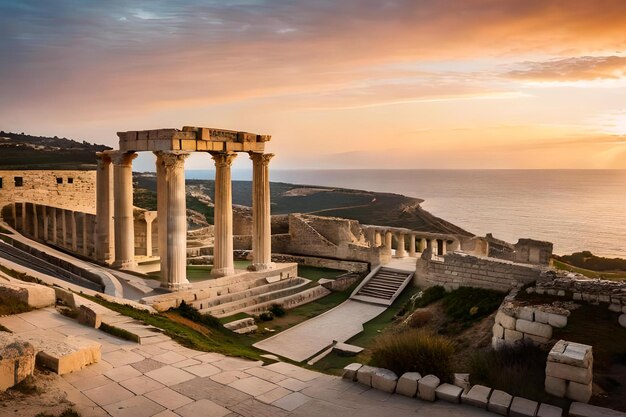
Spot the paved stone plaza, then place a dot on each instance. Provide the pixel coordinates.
(169, 380)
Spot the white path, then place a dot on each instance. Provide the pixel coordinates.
(169, 380)
(303, 341)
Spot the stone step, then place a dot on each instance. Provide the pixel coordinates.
(225, 309)
(246, 330)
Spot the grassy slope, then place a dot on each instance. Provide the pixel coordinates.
(611, 275)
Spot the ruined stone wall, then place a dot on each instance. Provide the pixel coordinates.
(335, 230)
(352, 266)
(533, 252)
(456, 270)
(71, 190)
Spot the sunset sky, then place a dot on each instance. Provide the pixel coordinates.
(350, 84)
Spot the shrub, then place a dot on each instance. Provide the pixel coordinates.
(266, 316)
(419, 318)
(518, 370)
(429, 296)
(190, 312)
(277, 310)
(415, 351)
(468, 304)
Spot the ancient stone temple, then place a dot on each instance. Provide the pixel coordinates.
(114, 205)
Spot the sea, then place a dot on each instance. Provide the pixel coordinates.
(575, 209)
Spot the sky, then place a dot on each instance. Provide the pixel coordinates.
(338, 84)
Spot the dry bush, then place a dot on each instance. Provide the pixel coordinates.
(419, 318)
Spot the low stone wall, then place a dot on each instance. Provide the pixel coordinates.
(351, 266)
(342, 282)
(569, 371)
(457, 269)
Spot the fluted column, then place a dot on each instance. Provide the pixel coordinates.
(162, 212)
(400, 251)
(44, 212)
(223, 263)
(73, 229)
(63, 228)
(412, 246)
(35, 222)
(123, 209)
(261, 220)
(55, 232)
(176, 249)
(388, 240)
(104, 208)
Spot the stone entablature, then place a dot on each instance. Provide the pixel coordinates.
(191, 138)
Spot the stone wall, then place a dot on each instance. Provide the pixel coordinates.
(516, 322)
(71, 190)
(456, 270)
(533, 252)
(352, 266)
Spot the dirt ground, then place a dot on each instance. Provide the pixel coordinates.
(39, 393)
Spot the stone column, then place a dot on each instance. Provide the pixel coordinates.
(423, 245)
(388, 240)
(104, 208)
(35, 222)
(162, 212)
(434, 246)
(24, 229)
(44, 213)
(55, 232)
(85, 241)
(223, 263)
(444, 247)
(14, 213)
(412, 246)
(400, 251)
(123, 209)
(150, 216)
(378, 240)
(73, 229)
(261, 220)
(63, 228)
(176, 249)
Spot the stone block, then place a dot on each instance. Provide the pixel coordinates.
(407, 384)
(499, 402)
(350, 371)
(17, 360)
(70, 355)
(578, 409)
(526, 313)
(462, 381)
(615, 308)
(449, 393)
(478, 396)
(427, 386)
(555, 386)
(521, 407)
(364, 375)
(547, 410)
(569, 372)
(622, 320)
(384, 380)
(557, 320)
(579, 392)
(497, 343)
(541, 316)
(570, 353)
(512, 335)
(498, 331)
(35, 295)
(534, 328)
(89, 317)
(505, 320)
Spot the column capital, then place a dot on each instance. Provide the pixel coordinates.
(173, 159)
(261, 158)
(223, 159)
(121, 158)
(103, 158)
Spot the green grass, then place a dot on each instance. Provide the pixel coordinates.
(219, 340)
(117, 332)
(234, 317)
(467, 305)
(614, 276)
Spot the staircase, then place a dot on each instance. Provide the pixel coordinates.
(382, 286)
